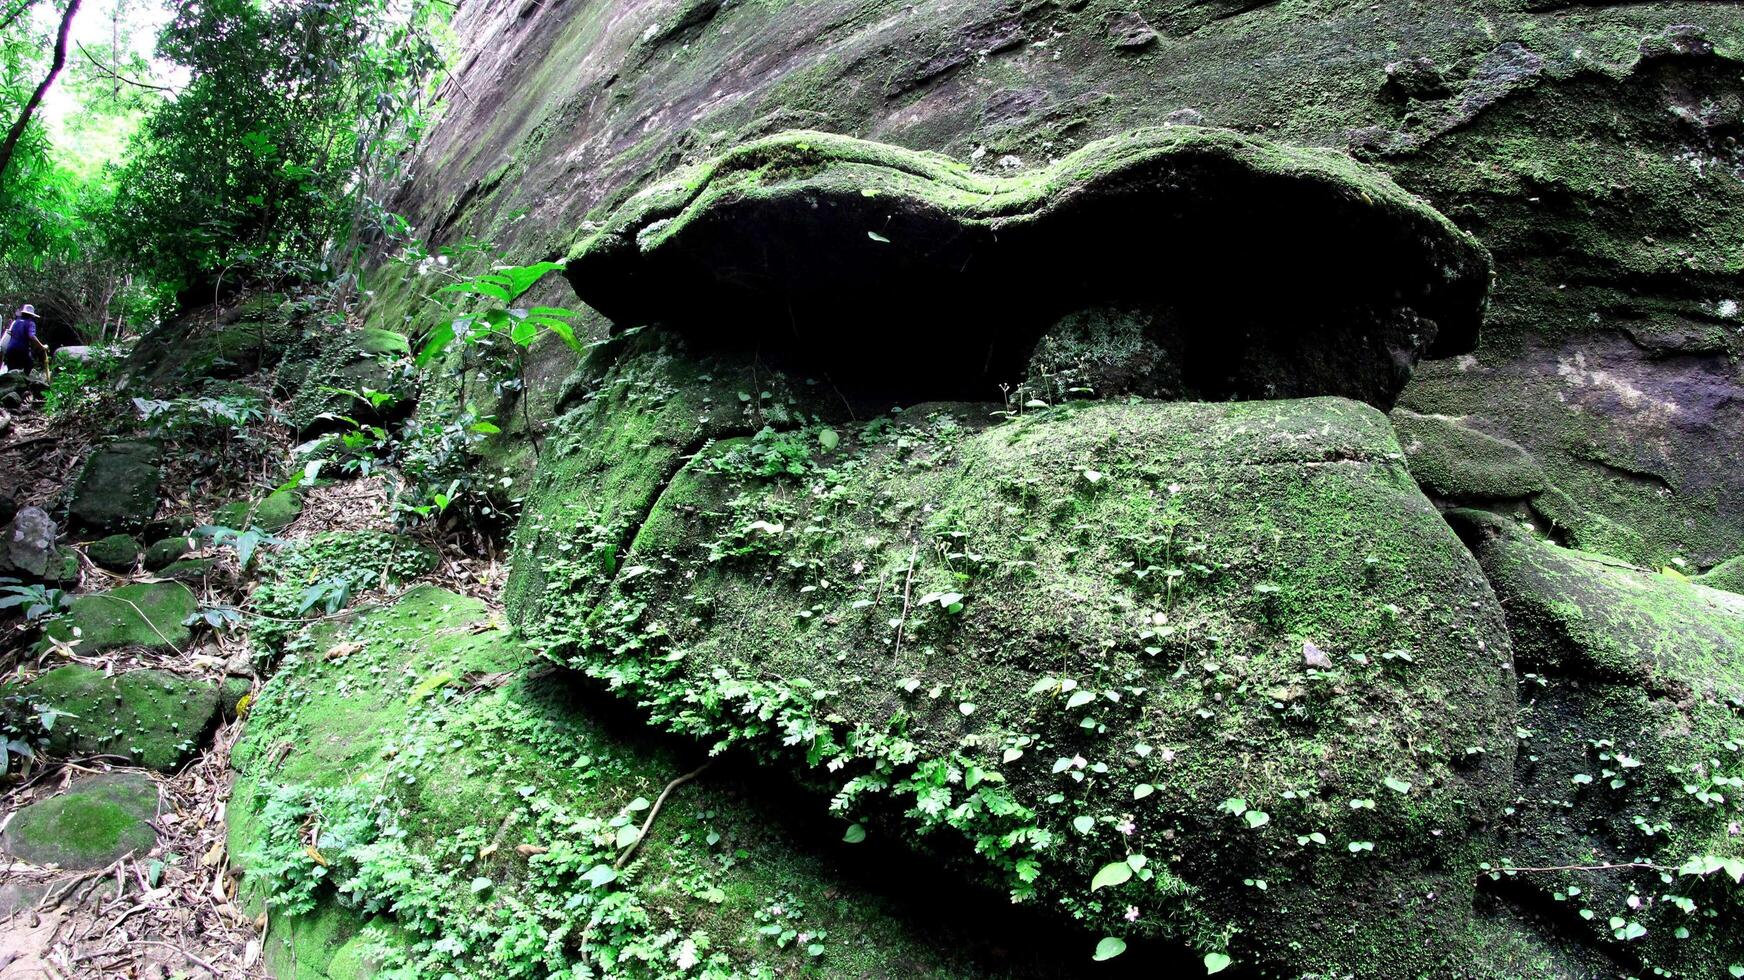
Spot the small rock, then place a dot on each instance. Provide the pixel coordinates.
(89, 826)
(1416, 78)
(1131, 31)
(1313, 656)
(165, 553)
(30, 543)
(180, 525)
(117, 552)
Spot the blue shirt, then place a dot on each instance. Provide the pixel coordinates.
(20, 333)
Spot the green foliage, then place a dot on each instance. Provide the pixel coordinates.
(497, 317)
(35, 601)
(257, 161)
(324, 574)
(80, 382)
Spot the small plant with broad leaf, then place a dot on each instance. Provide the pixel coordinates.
(34, 601)
(497, 316)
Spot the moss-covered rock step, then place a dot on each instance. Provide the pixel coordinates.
(1631, 752)
(147, 614)
(271, 513)
(147, 718)
(811, 245)
(94, 822)
(409, 801)
(118, 488)
(1138, 657)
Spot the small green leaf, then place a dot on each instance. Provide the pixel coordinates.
(1216, 962)
(1257, 819)
(1118, 873)
(1109, 948)
(829, 440)
(1142, 790)
(1079, 699)
(877, 237)
(1082, 823)
(600, 875)
(855, 834)
(1398, 785)
(480, 884)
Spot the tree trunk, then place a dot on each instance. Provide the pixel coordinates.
(60, 61)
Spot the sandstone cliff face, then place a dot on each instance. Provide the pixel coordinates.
(1593, 148)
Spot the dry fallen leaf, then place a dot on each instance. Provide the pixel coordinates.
(528, 850)
(339, 650)
(215, 855)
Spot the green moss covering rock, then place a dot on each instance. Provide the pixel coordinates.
(148, 614)
(150, 718)
(186, 570)
(117, 489)
(470, 814)
(813, 241)
(1727, 575)
(1631, 751)
(217, 342)
(271, 513)
(1453, 461)
(324, 574)
(350, 362)
(1092, 633)
(117, 552)
(96, 821)
(162, 554)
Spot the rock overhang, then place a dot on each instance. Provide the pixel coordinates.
(1262, 270)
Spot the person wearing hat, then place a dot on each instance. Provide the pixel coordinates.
(19, 345)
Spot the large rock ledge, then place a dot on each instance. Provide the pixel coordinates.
(1631, 754)
(1260, 271)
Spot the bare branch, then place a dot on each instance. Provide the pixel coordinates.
(112, 73)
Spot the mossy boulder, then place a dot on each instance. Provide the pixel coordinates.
(96, 821)
(117, 552)
(217, 342)
(118, 487)
(148, 614)
(473, 806)
(162, 554)
(1727, 575)
(186, 570)
(1453, 461)
(805, 243)
(356, 361)
(1067, 640)
(151, 718)
(1631, 756)
(325, 573)
(271, 513)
